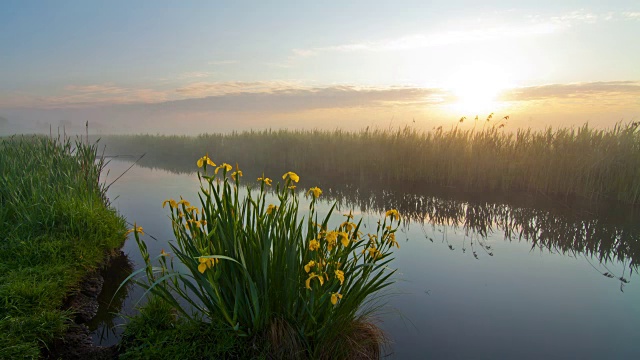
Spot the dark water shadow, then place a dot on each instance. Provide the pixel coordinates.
(103, 326)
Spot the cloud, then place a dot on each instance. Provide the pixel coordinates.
(272, 97)
(223, 62)
(580, 16)
(416, 41)
(238, 97)
(195, 75)
(632, 15)
(510, 29)
(265, 106)
(95, 89)
(85, 96)
(203, 89)
(574, 91)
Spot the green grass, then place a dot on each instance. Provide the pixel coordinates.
(565, 162)
(158, 333)
(55, 226)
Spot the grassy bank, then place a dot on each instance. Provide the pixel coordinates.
(158, 333)
(55, 226)
(582, 162)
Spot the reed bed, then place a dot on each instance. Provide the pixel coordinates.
(55, 226)
(584, 162)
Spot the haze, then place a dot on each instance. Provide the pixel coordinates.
(194, 67)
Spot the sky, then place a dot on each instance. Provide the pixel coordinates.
(190, 67)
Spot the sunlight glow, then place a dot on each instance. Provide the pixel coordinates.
(476, 88)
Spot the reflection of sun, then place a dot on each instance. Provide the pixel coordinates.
(476, 89)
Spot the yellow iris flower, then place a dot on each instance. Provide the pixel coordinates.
(314, 245)
(192, 209)
(391, 238)
(335, 297)
(271, 208)
(311, 277)
(374, 253)
(315, 191)
(224, 166)
(135, 229)
(206, 263)
(309, 265)
(393, 213)
(237, 173)
(266, 180)
(293, 176)
(205, 159)
(194, 223)
(344, 238)
(332, 238)
(348, 226)
(171, 203)
(340, 276)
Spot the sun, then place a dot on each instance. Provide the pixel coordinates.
(475, 89)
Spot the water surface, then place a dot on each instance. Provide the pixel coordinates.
(476, 279)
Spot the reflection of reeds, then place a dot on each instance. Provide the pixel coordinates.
(583, 162)
(608, 233)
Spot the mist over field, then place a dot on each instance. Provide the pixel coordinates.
(345, 107)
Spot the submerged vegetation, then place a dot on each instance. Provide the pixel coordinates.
(565, 162)
(248, 264)
(55, 226)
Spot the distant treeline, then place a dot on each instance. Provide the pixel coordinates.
(567, 162)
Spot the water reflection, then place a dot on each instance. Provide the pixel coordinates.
(103, 325)
(608, 232)
(460, 307)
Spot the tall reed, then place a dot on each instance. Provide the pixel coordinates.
(584, 162)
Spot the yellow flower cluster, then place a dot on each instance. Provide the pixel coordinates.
(322, 266)
(196, 223)
(207, 263)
